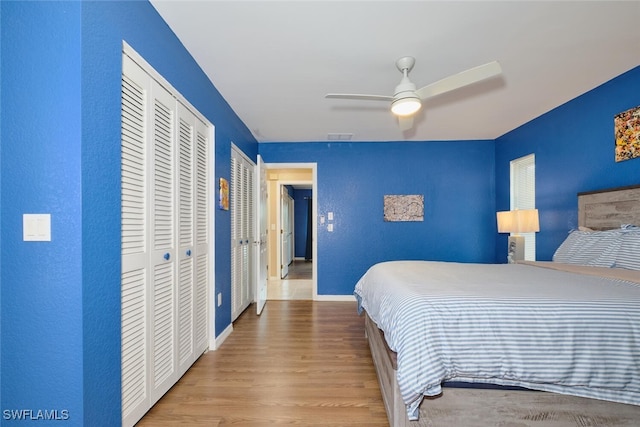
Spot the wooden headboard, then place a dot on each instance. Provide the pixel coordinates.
(607, 209)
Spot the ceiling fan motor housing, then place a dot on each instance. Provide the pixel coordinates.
(405, 101)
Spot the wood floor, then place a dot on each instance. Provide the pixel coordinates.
(298, 284)
(300, 269)
(304, 363)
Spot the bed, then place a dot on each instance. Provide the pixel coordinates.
(569, 328)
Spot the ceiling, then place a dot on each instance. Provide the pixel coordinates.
(274, 61)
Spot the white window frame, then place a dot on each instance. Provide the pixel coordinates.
(523, 195)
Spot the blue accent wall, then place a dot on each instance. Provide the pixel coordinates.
(455, 177)
(1, 106)
(60, 301)
(41, 282)
(574, 150)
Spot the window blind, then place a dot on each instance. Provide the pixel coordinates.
(523, 195)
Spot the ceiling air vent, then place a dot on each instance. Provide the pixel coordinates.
(339, 136)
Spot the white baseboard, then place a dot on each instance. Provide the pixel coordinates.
(217, 342)
(348, 298)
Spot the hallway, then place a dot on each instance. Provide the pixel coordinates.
(297, 285)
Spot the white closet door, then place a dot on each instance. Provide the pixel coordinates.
(202, 236)
(163, 255)
(186, 230)
(242, 231)
(135, 250)
(165, 238)
(235, 204)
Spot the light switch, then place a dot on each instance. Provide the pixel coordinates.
(36, 227)
(330, 227)
(321, 219)
(330, 216)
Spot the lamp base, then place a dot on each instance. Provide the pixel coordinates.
(516, 249)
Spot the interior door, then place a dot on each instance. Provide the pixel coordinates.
(163, 250)
(261, 244)
(284, 232)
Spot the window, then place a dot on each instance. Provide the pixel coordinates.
(523, 196)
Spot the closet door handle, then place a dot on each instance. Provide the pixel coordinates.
(167, 256)
(188, 252)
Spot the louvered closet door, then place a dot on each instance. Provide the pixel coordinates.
(202, 237)
(237, 243)
(163, 255)
(242, 231)
(165, 238)
(135, 238)
(186, 250)
(193, 238)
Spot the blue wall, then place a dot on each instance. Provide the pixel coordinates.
(41, 282)
(60, 154)
(574, 149)
(456, 179)
(60, 305)
(1, 50)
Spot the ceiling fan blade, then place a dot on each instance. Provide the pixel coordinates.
(359, 96)
(405, 122)
(459, 80)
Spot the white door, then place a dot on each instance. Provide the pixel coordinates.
(261, 243)
(135, 244)
(164, 214)
(242, 231)
(163, 244)
(285, 233)
(192, 208)
(202, 237)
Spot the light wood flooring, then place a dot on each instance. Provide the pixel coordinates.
(300, 269)
(297, 285)
(303, 363)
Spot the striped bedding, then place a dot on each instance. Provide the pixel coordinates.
(506, 324)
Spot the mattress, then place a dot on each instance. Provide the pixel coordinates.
(508, 324)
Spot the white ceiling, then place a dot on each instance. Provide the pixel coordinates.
(273, 61)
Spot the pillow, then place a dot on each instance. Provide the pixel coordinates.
(629, 253)
(593, 248)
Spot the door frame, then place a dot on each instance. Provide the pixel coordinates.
(314, 208)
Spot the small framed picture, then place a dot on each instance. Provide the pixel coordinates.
(224, 194)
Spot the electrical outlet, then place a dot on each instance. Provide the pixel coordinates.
(219, 299)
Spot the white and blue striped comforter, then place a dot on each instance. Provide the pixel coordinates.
(507, 324)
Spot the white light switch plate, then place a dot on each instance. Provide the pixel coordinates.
(36, 227)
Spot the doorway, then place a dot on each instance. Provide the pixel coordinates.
(292, 270)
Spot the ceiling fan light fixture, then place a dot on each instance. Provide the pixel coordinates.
(406, 106)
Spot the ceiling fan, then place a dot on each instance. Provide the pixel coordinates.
(407, 100)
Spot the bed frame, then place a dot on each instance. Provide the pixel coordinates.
(598, 210)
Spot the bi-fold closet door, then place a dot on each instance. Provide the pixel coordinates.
(243, 236)
(165, 238)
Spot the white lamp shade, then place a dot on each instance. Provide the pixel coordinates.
(518, 221)
(405, 106)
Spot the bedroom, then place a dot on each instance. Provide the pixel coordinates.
(66, 295)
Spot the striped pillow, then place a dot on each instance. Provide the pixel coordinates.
(593, 248)
(629, 254)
